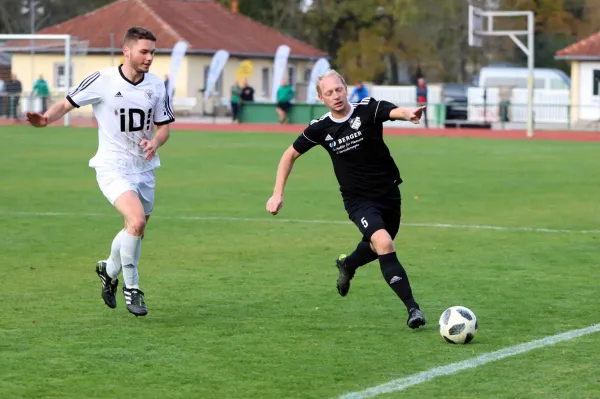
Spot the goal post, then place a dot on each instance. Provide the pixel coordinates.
(481, 23)
(23, 43)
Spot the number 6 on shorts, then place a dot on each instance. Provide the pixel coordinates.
(364, 222)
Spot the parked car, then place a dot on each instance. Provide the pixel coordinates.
(455, 99)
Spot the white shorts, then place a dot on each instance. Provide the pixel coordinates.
(113, 184)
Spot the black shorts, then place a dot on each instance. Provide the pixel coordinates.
(370, 215)
(284, 105)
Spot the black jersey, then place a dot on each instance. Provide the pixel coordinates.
(361, 160)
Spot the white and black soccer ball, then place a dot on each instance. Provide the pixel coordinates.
(458, 325)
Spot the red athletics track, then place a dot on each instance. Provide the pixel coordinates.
(568, 135)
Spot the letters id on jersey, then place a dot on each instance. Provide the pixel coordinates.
(126, 113)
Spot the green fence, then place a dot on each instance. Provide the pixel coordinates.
(302, 113)
(265, 113)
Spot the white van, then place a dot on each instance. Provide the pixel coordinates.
(516, 77)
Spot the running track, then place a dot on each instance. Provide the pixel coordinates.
(392, 131)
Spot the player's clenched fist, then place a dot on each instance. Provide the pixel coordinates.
(274, 204)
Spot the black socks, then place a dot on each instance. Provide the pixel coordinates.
(395, 275)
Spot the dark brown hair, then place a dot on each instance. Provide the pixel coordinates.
(138, 33)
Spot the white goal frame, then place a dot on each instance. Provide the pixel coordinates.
(67, 41)
(477, 30)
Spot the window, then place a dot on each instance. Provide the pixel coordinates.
(265, 83)
(307, 73)
(59, 75)
(596, 81)
(291, 78)
(218, 89)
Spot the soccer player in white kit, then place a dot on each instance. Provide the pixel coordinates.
(127, 102)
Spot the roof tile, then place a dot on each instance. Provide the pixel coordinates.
(588, 47)
(205, 25)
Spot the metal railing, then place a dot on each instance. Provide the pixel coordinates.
(502, 115)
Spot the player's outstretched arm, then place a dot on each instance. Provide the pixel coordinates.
(284, 169)
(53, 114)
(163, 132)
(407, 114)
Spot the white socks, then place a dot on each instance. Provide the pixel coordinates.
(125, 250)
(131, 247)
(113, 263)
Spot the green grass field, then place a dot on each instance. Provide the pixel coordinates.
(243, 304)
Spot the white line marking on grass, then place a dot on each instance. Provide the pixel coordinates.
(275, 219)
(419, 378)
(501, 228)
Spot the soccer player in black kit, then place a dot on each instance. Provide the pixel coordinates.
(368, 177)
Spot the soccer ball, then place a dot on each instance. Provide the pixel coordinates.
(458, 325)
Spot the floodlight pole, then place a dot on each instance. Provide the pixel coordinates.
(66, 38)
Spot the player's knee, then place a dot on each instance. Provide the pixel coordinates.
(382, 242)
(136, 225)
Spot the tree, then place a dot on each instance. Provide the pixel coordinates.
(587, 23)
(15, 14)
(362, 58)
(555, 28)
(283, 15)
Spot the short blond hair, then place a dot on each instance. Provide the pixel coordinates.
(329, 73)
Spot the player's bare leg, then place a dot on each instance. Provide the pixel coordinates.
(395, 275)
(130, 206)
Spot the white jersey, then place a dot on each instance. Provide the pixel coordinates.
(126, 113)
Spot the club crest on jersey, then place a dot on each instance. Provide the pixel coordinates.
(149, 94)
(355, 123)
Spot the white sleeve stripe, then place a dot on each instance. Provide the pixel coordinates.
(375, 116)
(85, 83)
(168, 108)
(309, 139)
(169, 103)
(170, 115)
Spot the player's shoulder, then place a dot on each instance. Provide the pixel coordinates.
(108, 71)
(153, 79)
(104, 76)
(317, 126)
(370, 105)
(364, 103)
(321, 121)
(154, 82)
(98, 73)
